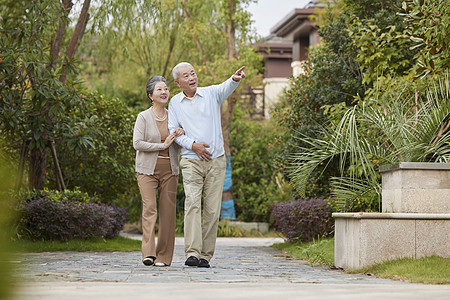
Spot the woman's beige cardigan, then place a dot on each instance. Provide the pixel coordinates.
(147, 142)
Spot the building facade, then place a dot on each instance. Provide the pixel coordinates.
(283, 52)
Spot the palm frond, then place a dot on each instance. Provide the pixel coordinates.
(397, 128)
(347, 191)
(344, 142)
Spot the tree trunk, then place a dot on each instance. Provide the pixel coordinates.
(173, 38)
(59, 35)
(228, 109)
(23, 155)
(38, 164)
(76, 37)
(231, 30)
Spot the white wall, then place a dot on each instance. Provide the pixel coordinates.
(273, 87)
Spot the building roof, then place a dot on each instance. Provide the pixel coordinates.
(295, 24)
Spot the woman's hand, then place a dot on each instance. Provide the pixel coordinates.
(169, 140)
(179, 131)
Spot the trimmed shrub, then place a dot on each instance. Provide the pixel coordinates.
(57, 218)
(303, 219)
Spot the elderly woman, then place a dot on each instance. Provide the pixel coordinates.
(157, 171)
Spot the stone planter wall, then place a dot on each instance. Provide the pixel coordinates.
(363, 239)
(252, 226)
(415, 221)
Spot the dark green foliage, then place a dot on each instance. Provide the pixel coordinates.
(429, 31)
(53, 216)
(370, 35)
(303, 219)
(384, 12)
(337, 38)
(408, 121)
(35, 98)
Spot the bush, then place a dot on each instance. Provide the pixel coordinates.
(106, 165)
(303, 219)
(57, 218)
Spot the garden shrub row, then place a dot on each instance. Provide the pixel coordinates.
(50, 215)
(304, 219)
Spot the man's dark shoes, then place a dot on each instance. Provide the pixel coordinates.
(203, 263)
(192, 261)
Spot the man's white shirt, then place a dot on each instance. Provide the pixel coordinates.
(199, 116)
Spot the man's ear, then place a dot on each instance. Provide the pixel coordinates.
(176, 81)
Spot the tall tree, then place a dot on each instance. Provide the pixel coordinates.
(34, 93)
(130, 42)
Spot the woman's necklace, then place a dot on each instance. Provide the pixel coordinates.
(157, 118)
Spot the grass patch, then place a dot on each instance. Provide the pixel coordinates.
(317, 252)
(118, 243)
(428, 270)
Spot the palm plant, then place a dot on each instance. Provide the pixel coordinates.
(398, 125)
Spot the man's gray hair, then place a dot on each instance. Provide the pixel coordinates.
(152, 82)
(175, 69)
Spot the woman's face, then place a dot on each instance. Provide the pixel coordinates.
(160, 93)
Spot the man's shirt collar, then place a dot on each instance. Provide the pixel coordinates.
(198, 92)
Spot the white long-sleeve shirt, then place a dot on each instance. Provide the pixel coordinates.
(199, 116)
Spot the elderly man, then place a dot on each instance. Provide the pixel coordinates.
(197, 111)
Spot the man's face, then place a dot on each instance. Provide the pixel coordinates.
(187, 80)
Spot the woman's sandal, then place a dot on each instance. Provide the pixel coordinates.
(148, 261)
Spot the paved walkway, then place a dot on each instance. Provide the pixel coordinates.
(242, 268)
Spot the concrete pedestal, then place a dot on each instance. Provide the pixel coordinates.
(415, 188)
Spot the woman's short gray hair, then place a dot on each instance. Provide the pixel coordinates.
(152, 82)
(175, 69)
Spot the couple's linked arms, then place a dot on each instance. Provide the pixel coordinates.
(171, 137)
